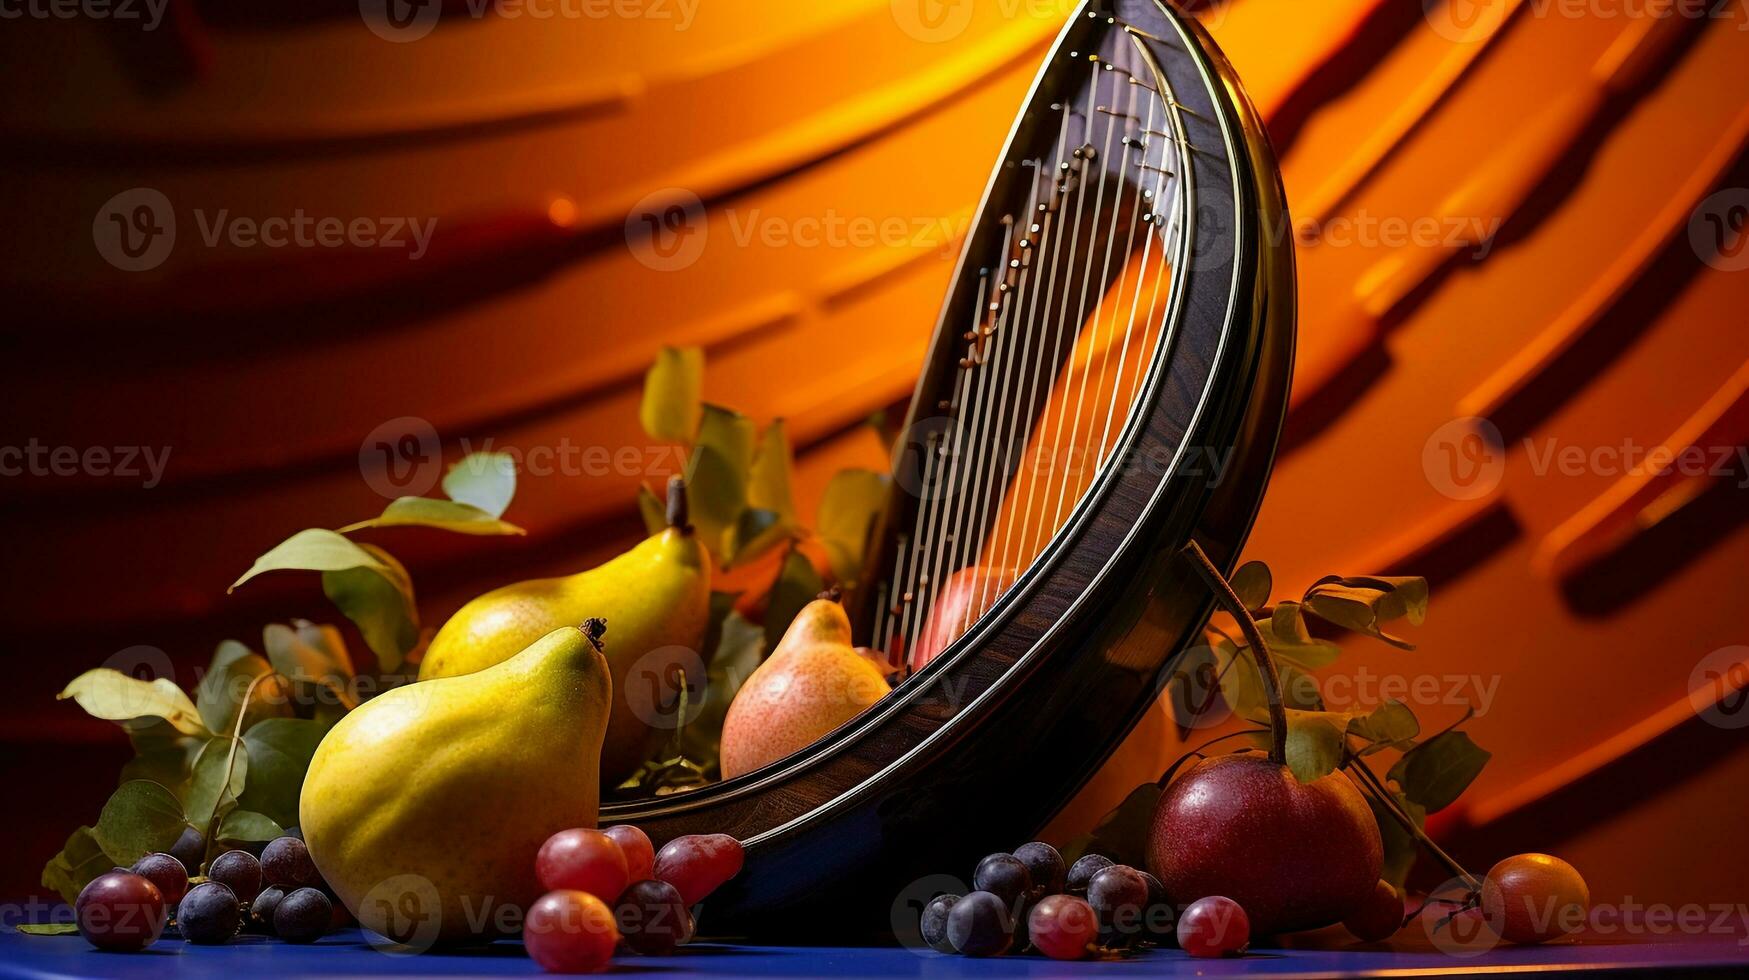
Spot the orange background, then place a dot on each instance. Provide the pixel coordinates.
(836, 150)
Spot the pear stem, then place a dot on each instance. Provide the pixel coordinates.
(1235, 607)
(677, 514)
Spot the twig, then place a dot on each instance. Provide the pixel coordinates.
(1235, 606)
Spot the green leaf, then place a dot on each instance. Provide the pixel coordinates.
(316, 549)
(797, 585)
(247, 827)
(49, 928)
(1436, 772)
(305, 651)
(848, 509)
(1122, 834)
(755, 532)
(1290, 640)
(1241, 685)
(652, 509)
(446, 515)
(163, 755)
(1390, 725)
(1314, 743)
(486, 481)
(140, 817)
(279, 755)
(1299, 689)
(768, 481)
(114, 696)
(717, 474)
(380, 604)
(208, 787)
(1253, 583)
(1401, 848)
(672, 388)
(740, 647)
(219, 695)
(1362, 603)
(80, 860)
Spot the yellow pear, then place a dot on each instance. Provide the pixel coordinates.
(658, 597)
(425, 806)
(812, 683)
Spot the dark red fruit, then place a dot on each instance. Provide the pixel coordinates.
(208, 915)
(1082, 871)
(1118, 895)
(286, 862)
(1063, 926)
(1293, 855)
(1045, 864)
(238, 871)
(570, 931)
(635, 845)
(582, 859)
(261, 910)
(1214, 926)
(303, 916)
(980, 924)
(651, 918)
(697, 864)
(933, 924)
(1379, 917)
(121, 911)
(165, 871)
(1004, 876)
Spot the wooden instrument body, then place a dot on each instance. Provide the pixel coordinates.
(976, 751)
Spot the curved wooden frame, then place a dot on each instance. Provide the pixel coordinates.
(979, 749)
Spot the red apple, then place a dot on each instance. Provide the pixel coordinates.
(964, 597)
(1293, 855)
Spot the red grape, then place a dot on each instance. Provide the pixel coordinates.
(1379, 917)
(120, 910)
(1214, 926)
(1535, 897)
(651, 918)
(582, 860)
(239, 871)
(1063, 926)
(166, 872)
(698, 864)
(569, 931)
(635, 844)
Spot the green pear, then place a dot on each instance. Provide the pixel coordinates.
(658, 597)
(425, 806)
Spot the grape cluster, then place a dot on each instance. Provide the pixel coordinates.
(1031, 900)
(574, 929)
(280, 893)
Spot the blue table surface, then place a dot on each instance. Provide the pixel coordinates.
(346, 953)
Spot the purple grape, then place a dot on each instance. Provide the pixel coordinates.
(209, 914)
(980, 924)
(1082, 871)
(261, 910)
(303, 916)
(286, 862)
(1045, 864)
(165, 871)
(1118, 895)
(239, 871)
(1003, 876)
(934, 922)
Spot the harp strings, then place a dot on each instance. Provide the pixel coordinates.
(974, 465)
